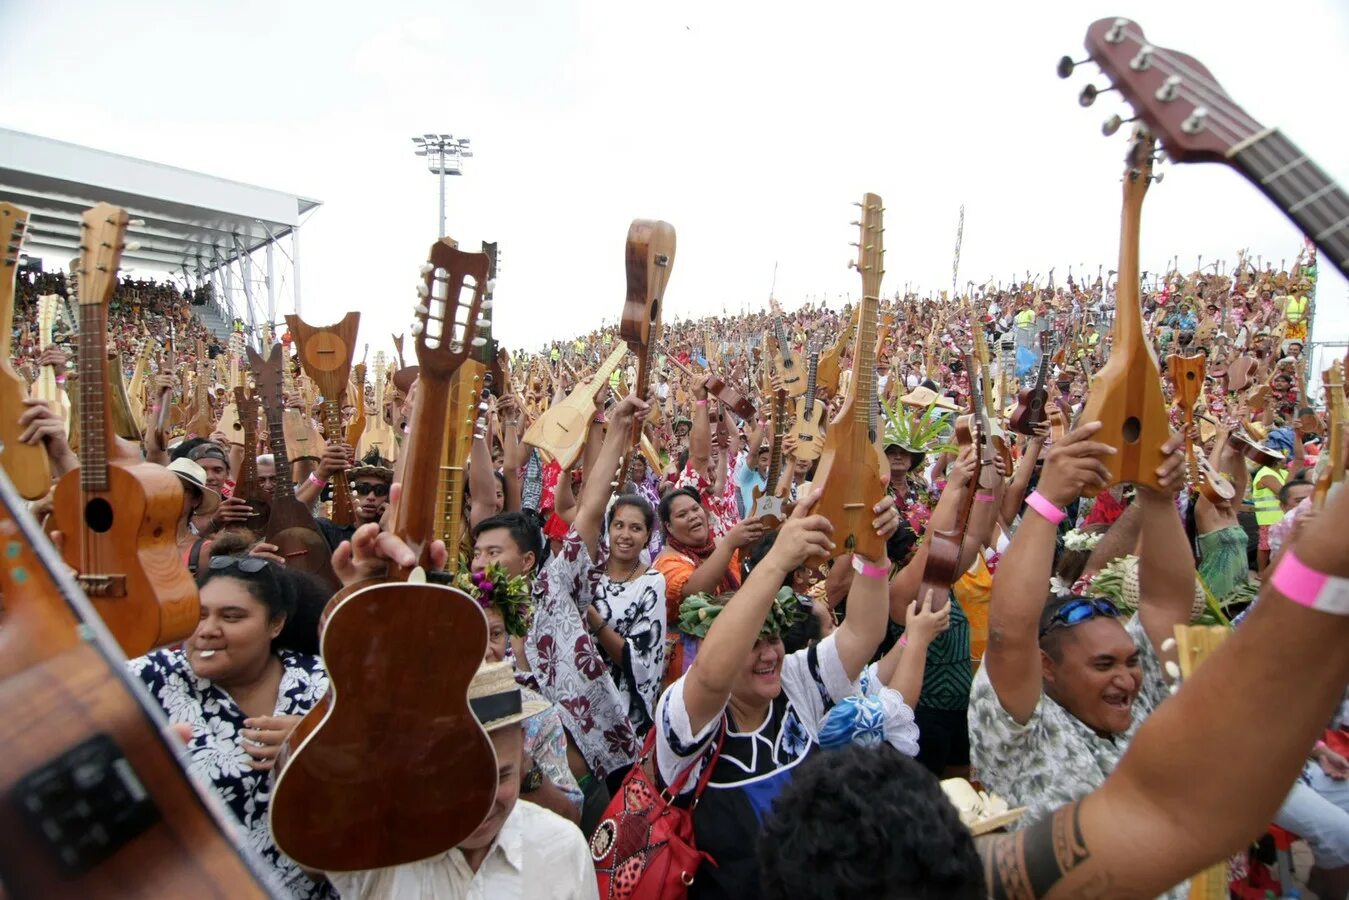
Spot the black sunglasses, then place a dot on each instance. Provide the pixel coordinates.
(249, 565)
(1080, 610)
(379, 490)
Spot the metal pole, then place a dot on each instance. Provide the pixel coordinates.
(441, 232)
(271, 283)
(295, 264)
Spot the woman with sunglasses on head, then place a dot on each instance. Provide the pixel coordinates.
(242, 689)
(1066, 684)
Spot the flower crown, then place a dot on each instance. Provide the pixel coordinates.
(511, 595)
(699, 611)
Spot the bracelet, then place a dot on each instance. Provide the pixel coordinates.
(984, 496)
(317, 482)
(1320, 745)
(60, 379)
(1307, 587)
(867, 569)
(1041, 504)
(702, 402)
(903, 640)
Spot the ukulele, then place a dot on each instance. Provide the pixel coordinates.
(119, 518)
(229, 423)
(325, 353)
(201, 422)
(123, 420)
(808, 425)
(941, 569)
(45, 387)
(993, 431)
(1126, 394)
(356, 427)
(137, 390)
(1337, 416)
(99, 805)
(767, 506)
(492, 354)
(786, 361)
(247, 487)
(648, 259)
(1197, 121)
(26, 464)
(1187, 379)
(378, 434)
(1030, 402)
(728, 396)
(464, 423)
(392, 765)
(290, 524)
(563, 428)
(828, 370)
(852, 469)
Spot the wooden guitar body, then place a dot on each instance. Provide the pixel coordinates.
(247, 488)
(392, 803)
(648, 261)
(86, 754)
(809, 429)
(1126, 394)
(303, 440)
(26, 464)
(1031, 401)
(563, 428)
(121, 542)
(326, 355)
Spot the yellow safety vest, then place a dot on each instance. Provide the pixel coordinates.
(1296, 310)
(1025, 318)
(1267, 509)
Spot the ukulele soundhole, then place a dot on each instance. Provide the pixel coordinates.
(1132, 429)
(98, 515)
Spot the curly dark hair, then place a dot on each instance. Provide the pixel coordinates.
(866, 822)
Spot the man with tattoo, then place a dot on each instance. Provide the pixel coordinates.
(865, 822)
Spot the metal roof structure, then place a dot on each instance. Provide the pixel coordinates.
(204, 227)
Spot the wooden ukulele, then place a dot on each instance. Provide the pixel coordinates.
(726, 395)
(1194, 644)
(123, 420)
(1126, 394)
(119, 518)
(993, 430)
(392, 765)
(356, 427)
(786, 361)
(378, 434)
(464, 423)
(137, 390)
(1030, 402)
(852, 469)
(326, 355)
(563, 428)
(201, 423)
(1337, 415)
(648, 259)
(1183, 104)
(1187, 379)
(45, 387)
(492, 354)
(26, 464)
(290, 524)
(829, 370)
(941, 569)
(247, 488)
(229, 423)
(808, 425)
(767, 506)
(99, 805)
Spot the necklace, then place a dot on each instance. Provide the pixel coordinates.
(636, 563)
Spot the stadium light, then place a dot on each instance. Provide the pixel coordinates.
(445, 155)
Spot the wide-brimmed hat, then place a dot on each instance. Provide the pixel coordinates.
(497, 700)
(192, 475)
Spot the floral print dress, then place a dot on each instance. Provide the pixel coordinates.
(216, 754)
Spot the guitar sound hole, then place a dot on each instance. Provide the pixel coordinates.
(1132, 429)
(1190, 376)
(98, 515)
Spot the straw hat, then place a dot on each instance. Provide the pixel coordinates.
(497, 700)
(192, 475)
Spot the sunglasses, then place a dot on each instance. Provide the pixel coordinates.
(249, 565)
(1080, 610)
(379, 490)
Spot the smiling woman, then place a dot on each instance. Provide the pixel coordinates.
(242, 689)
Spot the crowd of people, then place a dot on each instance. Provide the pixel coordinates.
(662, 644)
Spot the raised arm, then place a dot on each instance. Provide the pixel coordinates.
(514, 452)
(904, 585)
(700, 434)
(903, 665)
(861, 632)
(1022, 585)
(1015, 494)
(1165, 563)
(597, 487)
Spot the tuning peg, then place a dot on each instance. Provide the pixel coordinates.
(422, 290)
(1195, 123)
(479, 342)
(1067, 64)
(1116, 33)
(491, 285)
(1112, 124)
(417, 329)
(485, 306)
(421, 309)
(1158, 176)
(1089, 94)
(1143, 59)
(1169, 90)
(426, 268)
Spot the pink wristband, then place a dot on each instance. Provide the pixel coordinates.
(702, 402)
(903, 640)
(1307, 587)
(984, 496)
(317, 481)
(867, 569)
(1049, 511)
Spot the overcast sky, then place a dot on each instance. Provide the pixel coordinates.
(751, 127)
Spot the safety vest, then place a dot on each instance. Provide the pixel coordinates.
(1296, 310)
(1025, 318)
(555, 355)
(1267, 509)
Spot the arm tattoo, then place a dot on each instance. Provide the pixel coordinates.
(1027, 864)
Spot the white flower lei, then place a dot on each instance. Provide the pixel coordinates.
(1077, 540)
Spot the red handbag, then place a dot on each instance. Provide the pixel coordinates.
(643, 848)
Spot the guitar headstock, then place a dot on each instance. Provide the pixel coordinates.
(269, 372)
(445, 332)
(1333, 381)
(649, 256)
(102, 240)
(870, 245)
(1138, 168)
(1178, 98)
(1046, 341)
(13, 226)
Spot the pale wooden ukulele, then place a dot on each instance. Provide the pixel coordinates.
(325, 353)
(563, 428)
(1194, 644)
(26, 463)
(809, 422)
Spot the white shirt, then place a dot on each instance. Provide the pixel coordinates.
(538, 855)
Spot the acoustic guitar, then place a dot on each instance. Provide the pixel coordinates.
(648, 260)
(767, 506)
(1126, 394)
(119, 518)
(786, 361)
(1337, 415)
(392, 766)
(563, 428)
(290, 524)
(1183, 104)
(326, 354)
(1187, 380)
(716, 386)
(1030, 402)
(98, 803)
(808, 425)
(852, 469)
(378, 434)
(26, 464)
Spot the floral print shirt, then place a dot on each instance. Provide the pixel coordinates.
(216, 754)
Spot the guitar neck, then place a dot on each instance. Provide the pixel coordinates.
(1302, 190)
(414, 519)
(95, 417)
(863, 386)
(276, 439)
(779, 430)
(811, 372)
(332, 426)
(247, 412)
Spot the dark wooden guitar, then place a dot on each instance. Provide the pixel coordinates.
(290, 524)
(1030, 402)
(852, 469)
(247, 488)
(648, 260)
(392, 766)
(941, 569)
(326, 354)
(717, 387)
(119, 518)
(1183, 104)
(1126, 394)
(770, 508)
(26, 463)
(97, 803)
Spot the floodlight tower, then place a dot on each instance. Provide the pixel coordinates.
(445, 155)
